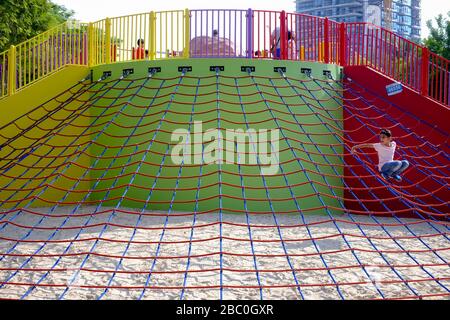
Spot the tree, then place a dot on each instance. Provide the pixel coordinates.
(439, 39)
(22, 20)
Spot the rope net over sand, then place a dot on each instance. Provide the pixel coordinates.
(92, 207)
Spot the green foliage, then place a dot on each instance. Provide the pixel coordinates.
(439, 39)
(22, 20)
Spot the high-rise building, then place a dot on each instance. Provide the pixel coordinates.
(401, 16)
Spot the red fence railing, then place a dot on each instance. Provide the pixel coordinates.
(384, 51)
(403, 60)
(439, 78)
(293, 36)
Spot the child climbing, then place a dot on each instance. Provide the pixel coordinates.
(388, 167)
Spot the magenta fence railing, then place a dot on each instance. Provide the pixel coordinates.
(218, 33)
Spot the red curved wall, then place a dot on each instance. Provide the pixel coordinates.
(367, 108)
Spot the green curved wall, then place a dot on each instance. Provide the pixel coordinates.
(184, 182)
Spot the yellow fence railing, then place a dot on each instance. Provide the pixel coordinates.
(42, 55)
(129, 37)
(97, 40)
(152, 35)
(170, 37)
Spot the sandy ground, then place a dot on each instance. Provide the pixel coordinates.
(255, 262)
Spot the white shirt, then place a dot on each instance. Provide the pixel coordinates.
(385, 154)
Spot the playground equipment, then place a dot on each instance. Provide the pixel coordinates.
(93, 204)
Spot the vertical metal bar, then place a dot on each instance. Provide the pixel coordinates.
(358, 44)
(425, 71)
(326, 30)
(125, 49)
(435, 72)
(218, 29)
(160, 35)
(225, 31)
(317, 39)
(33, 65)
(230, 31)
(172, 34)
(30, 57)
(187, 33)
(166, 19)
(432, 90)
(72, 51)
(20, 66)
(76, 47)
(207, 31)
(45, 50)
(404, 56)
(343, 44)
(142, 33)
(195, 35)
(51, 50)
(258, 26)
(39, 57)
(107, 44)
(12, 71)
(201, 33)
(355, 44)
(283, 35)
(291, 53)
(129, 35)
(445, 84)
(25, 62)
(2, 75)
(389, 54)
(376, 45)
(249, 35)
(91, 45)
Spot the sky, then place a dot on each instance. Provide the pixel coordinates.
(93, 10)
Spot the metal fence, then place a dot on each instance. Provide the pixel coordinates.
(49, 52)
(218, 33)
(252, 34)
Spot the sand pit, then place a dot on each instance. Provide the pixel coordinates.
(124, 255)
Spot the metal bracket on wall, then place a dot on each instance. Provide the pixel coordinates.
(106, 74)
(307, 71)
(215, 68)
(154, 69)
(185, 69)
(248, 68)
(327, 73)
(127, 72)
(278, 69)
